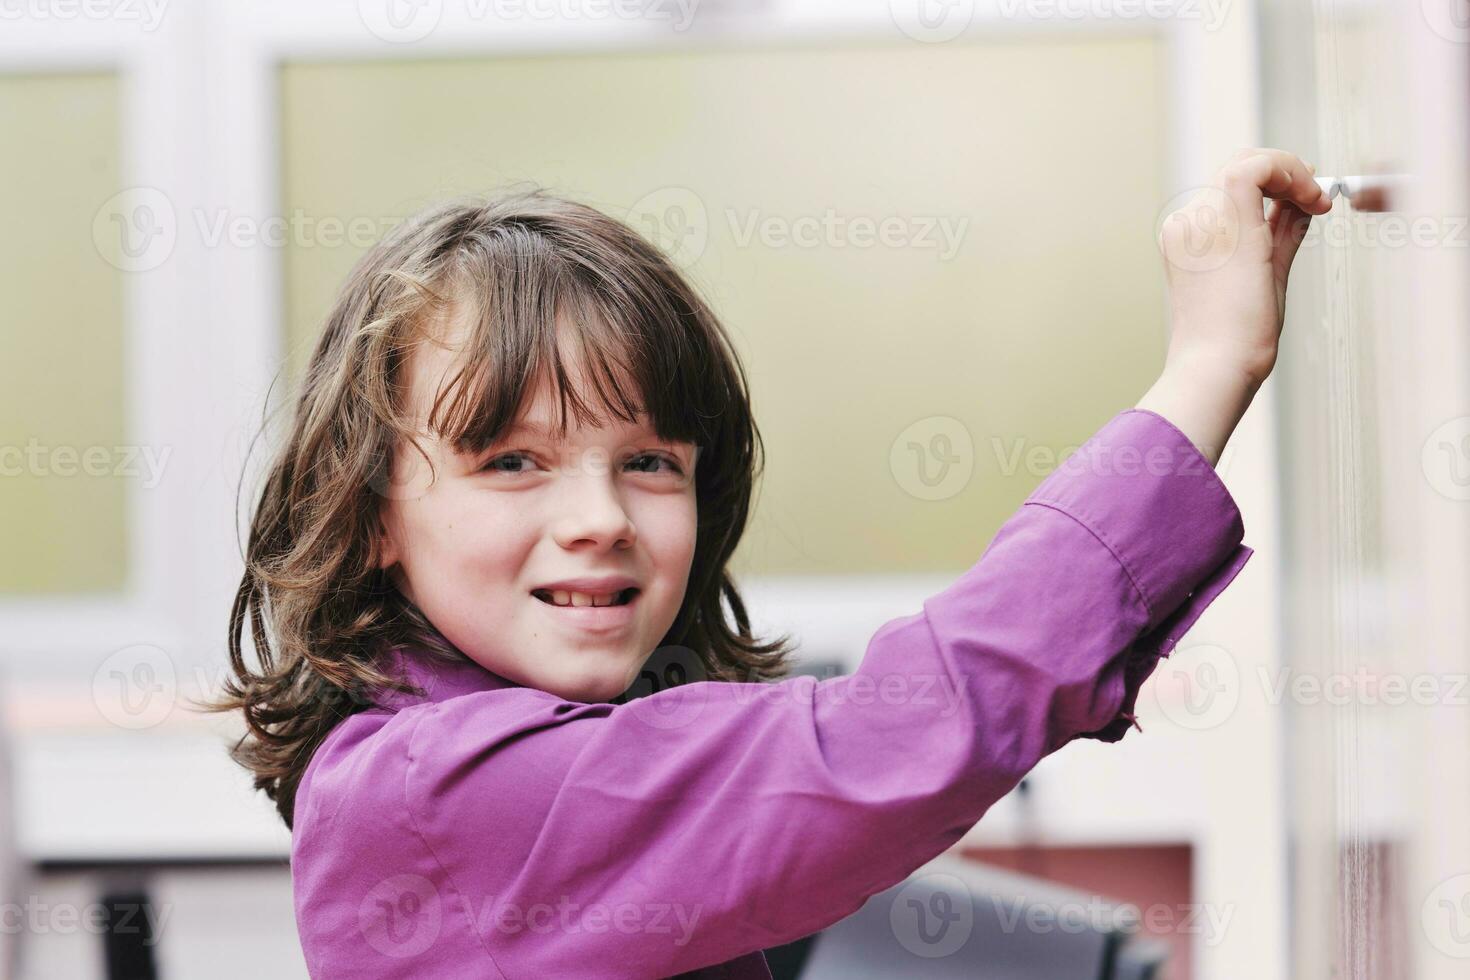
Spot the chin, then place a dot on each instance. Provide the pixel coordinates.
(592, 687)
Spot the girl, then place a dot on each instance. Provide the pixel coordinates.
(521, 458)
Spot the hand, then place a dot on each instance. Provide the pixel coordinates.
(1227, 263)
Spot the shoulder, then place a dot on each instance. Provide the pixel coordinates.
(386, 759)
(371, 895)
(355, 763)
(423, 790)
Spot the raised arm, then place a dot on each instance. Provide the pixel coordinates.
(1227, 261)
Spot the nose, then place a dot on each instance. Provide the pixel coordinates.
(591, 513)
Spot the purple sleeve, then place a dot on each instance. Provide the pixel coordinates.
(707, 821)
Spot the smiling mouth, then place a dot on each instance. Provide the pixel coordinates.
(622, 598)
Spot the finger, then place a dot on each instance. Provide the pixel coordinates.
(1289, 225)
(1270, 173)
(1301, 187)
(1244, 181)
(1298, 181)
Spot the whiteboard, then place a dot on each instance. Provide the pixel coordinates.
(1375, 463)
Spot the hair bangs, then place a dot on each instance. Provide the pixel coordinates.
(536, 320)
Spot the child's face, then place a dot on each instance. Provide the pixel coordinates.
(470, 549)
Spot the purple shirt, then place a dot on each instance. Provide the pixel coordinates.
(495, 830)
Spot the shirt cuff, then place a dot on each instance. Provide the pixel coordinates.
(1148, 494)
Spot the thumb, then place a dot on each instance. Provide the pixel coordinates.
(1288, 225)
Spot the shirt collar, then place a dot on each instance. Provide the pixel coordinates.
(442, 677)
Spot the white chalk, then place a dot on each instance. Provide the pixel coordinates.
(1353, 186)
(1370, 192)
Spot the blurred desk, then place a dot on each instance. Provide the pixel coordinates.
(90, 793)
(139, 796)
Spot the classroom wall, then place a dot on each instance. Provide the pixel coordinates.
(1039, 318)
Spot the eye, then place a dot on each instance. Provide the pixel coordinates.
(493, 465)
(522, 462)
(658, 458)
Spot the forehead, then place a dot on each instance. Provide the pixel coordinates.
(432, 357)
(539, 421)
(439, 354)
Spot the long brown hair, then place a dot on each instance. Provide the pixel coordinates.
(319, 607)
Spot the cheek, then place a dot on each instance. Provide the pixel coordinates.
(667, 528)
(447, 532)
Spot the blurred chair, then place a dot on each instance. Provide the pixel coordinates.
(956, 918)
(128, 940)
(819, 667)
(1141, 959)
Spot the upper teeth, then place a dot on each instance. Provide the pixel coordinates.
(584, 598)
